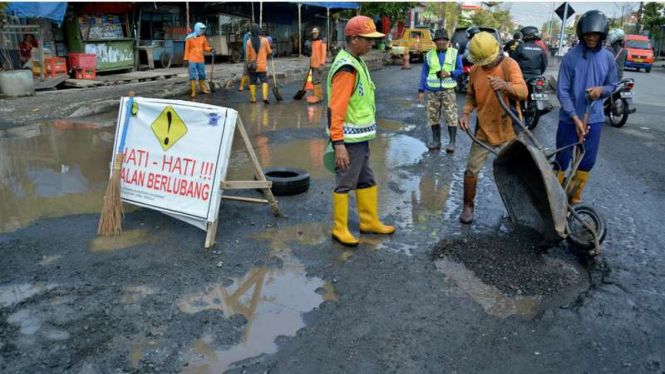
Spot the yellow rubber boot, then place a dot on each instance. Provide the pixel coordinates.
(202, 86)
(243, 81)
(561, 175)
(252, 93)
(578, 183)
(368, 210)
(340, 231)
(264, 92)
(192, 88)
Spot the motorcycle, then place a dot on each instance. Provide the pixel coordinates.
(463, 80)
(537, 103)
(618, 104)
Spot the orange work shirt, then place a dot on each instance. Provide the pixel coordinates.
(495, 126)
(194, 48)
(262, 58)
(318, 54)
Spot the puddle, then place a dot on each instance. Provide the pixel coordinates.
(390, 125)
(493, 301)
(16, 293)
(129, 238)
(134, 294)
(49, 260)
(273, 302)
(52, 170)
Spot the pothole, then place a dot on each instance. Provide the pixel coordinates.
(509, 274)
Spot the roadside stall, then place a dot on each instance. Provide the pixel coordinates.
(103, 29)
(162, 35)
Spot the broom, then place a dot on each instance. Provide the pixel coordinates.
(110, 221)
(275, 90)
(302, 92)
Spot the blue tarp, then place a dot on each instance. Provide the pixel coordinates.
(52, 11)
(334, 5)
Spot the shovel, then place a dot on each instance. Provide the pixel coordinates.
(212, 70)
(302, 92)
(275, 90)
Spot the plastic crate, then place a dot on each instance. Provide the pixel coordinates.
(82, 61)
(55, 66)
(89, 74)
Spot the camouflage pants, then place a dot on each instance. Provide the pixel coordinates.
(442, 101)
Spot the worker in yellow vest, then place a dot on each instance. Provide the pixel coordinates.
(352, 124)
(441, 68)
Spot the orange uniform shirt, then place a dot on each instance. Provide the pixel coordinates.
(194, 48)
(318, 54)
(262, 58)
(343, 84)
(495, 125)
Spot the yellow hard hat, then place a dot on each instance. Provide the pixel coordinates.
(483, 49)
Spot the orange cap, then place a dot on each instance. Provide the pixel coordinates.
(362, 26)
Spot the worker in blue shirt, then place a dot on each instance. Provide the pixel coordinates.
(587, 74)
(441, 68)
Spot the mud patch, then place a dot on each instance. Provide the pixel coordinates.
(513, 263)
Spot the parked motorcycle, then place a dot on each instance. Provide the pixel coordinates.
(537, 103)
(463, 80)
(618, 105)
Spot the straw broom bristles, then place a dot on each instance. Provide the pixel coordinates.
(110, 221)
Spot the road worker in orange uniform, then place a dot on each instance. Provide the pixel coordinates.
(352, 124)
(316, 62)
(195, 44)
(258, 50)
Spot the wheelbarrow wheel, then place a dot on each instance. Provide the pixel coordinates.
(578, 235)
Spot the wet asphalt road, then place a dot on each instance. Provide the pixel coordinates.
(277, 296)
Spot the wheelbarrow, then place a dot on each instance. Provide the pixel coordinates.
(531, 192)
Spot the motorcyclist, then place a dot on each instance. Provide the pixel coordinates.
(470, 32)
(531, 58)
(615, 44)
(512, 45)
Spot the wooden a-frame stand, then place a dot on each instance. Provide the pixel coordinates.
(259, 184)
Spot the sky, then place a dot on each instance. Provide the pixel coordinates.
(536, 13)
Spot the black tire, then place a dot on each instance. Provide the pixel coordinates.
(235, 55)
(165, 60)
(531, 116)
(648, 70)
(577, 234)
(287, 181)
(620, 120)
(637, 70)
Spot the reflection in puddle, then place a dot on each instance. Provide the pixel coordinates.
(390, 125)
(128, 239)
(16, 293)
(493, 301)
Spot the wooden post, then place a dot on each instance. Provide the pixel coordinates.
(260, 14)
(42, 69)
(251, 3)
(299, 33)
(186, 14)
(328, 29)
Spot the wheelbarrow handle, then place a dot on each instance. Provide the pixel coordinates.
(515, 118)
(480, 143)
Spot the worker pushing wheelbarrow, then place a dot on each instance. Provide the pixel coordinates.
(533, 195)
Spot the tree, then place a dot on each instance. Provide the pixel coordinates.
(484, 18)
(395, 11)
(448, 13)
(653, 18)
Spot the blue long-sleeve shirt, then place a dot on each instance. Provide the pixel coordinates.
(425, 72)
(577, 74)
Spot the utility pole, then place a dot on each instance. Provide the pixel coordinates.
(639, 18)
(563, 28)
(549, 34)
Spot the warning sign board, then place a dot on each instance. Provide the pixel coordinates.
(168, 128)
(175, 158)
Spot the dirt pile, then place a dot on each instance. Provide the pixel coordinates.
(512, 262)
